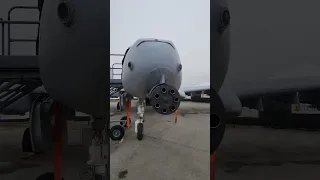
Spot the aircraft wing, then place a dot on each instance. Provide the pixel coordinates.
(280, 90)
(182, 94)
(231, 102)
(274, 86)
(283, 88)
(197, 88)
(277, 85)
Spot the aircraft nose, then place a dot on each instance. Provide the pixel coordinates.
(162, 75)
(158, 73)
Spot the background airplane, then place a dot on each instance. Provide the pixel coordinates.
(80, 68)
(271, 96)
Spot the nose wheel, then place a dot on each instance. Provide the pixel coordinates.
(140, 131)
(140, 120)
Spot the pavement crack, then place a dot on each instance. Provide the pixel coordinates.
(190, 147)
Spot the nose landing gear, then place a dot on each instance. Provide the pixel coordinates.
(140, 120)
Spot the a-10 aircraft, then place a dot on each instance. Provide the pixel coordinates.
(73, 66)
(73, 72)
(152, 72)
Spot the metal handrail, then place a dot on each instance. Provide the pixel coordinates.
(10, 40)
(114, 68)
(2, 37)
(8, 22)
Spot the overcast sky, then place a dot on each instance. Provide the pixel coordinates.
(185, 22)
(264, 44)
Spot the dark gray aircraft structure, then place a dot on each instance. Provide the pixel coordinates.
(73, 66)
(151, 68)
(73, 72)
(273, 97)
(73, 58)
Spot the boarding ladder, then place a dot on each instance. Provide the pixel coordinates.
(115, 77)
(19, 74)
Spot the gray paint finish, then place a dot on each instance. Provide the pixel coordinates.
(269, 38)
(151, 60)
(20, 31)
(72, 60)
(273, 38)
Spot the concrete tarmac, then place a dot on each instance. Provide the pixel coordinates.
(167, 151)
(176, 151)
(249, 152)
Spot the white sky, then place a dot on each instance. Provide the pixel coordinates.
(185, 22)
(263, 44)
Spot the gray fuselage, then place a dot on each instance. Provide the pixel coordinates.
(220, 43)
(74, 52)
(146, 63)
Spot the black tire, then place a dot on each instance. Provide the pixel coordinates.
(124, 124)
(26, 141)
(140, 132)
(47, 176)
(117, 132)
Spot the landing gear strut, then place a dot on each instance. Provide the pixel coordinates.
(99, 150)
(40, 139)
(57, 145)
(140, 120)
